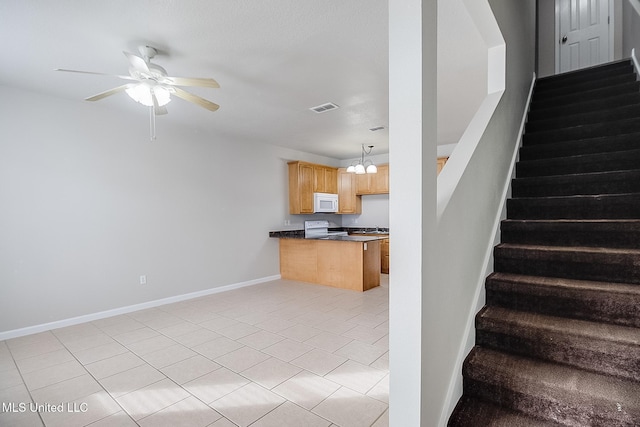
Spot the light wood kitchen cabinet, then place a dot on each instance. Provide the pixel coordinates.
(374, 183)
(306, 179)
(301, 181)
(341, 264)
(384, 256)
(441, 162)
(325, 179)
(348, 201)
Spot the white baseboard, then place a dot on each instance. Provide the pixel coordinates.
(128, 309)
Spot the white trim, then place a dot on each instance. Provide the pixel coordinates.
(454, 390)
(634, 58)
(128, 309)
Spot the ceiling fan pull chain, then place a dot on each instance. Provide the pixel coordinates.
(152, 122)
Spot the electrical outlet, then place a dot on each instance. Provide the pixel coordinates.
(287, 222)
(143, 279)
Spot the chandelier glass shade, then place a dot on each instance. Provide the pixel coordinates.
(363, 166)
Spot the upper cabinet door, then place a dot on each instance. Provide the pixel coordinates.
(374, 183)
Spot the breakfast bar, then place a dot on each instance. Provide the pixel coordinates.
(347, 262)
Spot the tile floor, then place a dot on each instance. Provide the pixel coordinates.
(277, 354)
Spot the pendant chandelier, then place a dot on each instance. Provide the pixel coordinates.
(362, 166)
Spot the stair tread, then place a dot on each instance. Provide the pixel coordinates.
(561, 325)
(571, 249)
(562, 283)
(614, 100)
(554, 382)
(602, 68)
(475, 412)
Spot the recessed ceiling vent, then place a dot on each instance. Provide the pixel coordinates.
(324, 107)
(376, 128)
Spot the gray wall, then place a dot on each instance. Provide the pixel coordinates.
(631, 28)
(89, 205)
(466, 228)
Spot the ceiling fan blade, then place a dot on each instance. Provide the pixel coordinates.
(93, 72)
(195, 99)
(106, 93)
(137, 62)
(193, 81)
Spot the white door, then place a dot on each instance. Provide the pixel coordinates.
(583, 34)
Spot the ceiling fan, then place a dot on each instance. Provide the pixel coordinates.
(151, 86)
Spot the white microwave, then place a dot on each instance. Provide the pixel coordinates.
(325, 202)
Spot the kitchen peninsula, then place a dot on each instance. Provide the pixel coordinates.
(341, 261)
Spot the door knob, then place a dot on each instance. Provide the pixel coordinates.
(564, 39)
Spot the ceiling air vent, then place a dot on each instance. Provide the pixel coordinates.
(376, 128)
(324, 107)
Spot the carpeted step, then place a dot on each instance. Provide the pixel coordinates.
(551, 391)
(471, 412)
(608, 115)
(595, 347)
(595, 130)
(608, 302)
(544, 94)
(603, 104)
(604, 144)
(592, 233)
(585, 96)
(570, 262)
(584, 75)
(608, 206)
(617, 182)
(582, 163)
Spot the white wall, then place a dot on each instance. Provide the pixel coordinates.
(89, 205)
(462, 70)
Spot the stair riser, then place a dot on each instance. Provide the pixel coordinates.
(548, 408)
(587, 207)
(620, 183)
(577, 165)
(569, 79)
(615, 308)
(620, 267)
(587, 96)
(609, 144)
(555, 112)
(610, 128)
(627, 112)
(559, 237)
(542, 92)
(603, 357)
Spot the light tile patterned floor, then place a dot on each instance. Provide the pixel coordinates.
(272, 355)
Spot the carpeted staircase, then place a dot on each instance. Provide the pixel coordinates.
(558, 342)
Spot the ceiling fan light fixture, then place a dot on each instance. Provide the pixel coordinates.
(142, 93)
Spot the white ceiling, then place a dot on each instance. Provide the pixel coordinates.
(273, 59)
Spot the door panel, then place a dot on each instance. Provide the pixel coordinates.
(584, 33)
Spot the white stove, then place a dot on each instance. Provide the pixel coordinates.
(319, 229)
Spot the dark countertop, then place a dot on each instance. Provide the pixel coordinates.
(355, 234)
